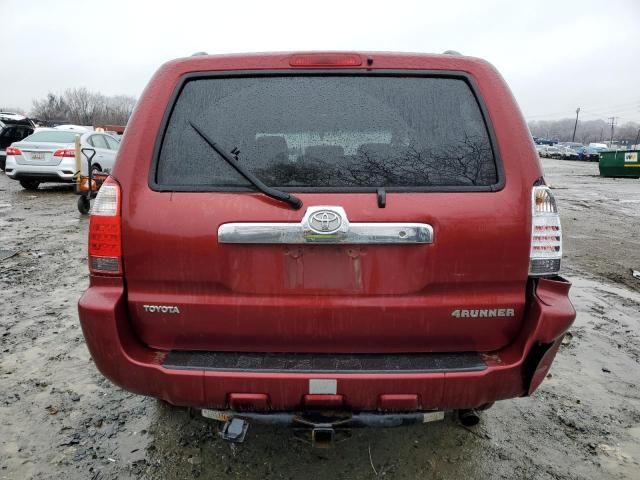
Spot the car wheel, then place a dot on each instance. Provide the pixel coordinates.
(84, 205)
(29, 184)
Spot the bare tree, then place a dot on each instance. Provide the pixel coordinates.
(84, 107)
(118, 109)
(51, 108)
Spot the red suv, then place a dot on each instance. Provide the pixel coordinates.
(360, 238)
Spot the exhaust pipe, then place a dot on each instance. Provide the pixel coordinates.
(469, 418)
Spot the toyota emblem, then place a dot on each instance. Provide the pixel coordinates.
(325, 221)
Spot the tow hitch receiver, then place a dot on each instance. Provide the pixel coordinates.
(323, 436)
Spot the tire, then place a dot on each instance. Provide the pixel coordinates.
(84, 205)
(30, 185)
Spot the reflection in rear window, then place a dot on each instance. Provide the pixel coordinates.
(53, 136)
(329, 131)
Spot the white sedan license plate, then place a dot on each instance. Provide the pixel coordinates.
(37, 156)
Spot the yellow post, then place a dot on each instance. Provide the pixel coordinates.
(78, 166)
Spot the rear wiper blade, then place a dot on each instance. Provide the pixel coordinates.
(292, 200)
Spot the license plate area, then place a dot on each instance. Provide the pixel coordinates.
(37, 156)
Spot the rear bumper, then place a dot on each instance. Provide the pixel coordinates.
(511, 372)
(63, 172)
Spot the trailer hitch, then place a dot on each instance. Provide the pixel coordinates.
(323, 436)
(320, 429)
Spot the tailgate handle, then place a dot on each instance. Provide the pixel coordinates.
(326, 224)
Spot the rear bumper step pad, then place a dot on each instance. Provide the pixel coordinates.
(325, 363)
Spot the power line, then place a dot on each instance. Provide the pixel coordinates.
(631, 109)
(546, 114)
(602, 112)
(618, 105)
(600, 107)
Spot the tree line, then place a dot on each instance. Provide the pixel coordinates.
(81, 106)
(587, 131)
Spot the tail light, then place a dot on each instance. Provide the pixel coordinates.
(546, 234)
(65, 152)
(13, 151)
(105, 241)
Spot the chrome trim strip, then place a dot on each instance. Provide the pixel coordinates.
(306, 232)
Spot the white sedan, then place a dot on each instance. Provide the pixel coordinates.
(48, 155)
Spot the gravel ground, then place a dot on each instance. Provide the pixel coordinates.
(60, 419)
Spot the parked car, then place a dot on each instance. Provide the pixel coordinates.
(327, 241)
(567, 153)
(588, 154)
(598, 149)
(599, 146)
(48, 155)
(13, 128)
(551, 152)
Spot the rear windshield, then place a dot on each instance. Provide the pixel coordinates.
(52, 136)
(329, 132)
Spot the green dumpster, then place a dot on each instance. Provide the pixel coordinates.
(620, 163)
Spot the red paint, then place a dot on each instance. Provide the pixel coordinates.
(318, 297)
(248, 402)
(325, 402)
(399, 403)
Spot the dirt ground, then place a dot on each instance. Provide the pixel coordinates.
(59, 418)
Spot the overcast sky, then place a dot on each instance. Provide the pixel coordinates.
(555, 55)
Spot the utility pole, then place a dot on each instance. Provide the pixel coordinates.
(637, 138)
(613, 123)
(573, 139)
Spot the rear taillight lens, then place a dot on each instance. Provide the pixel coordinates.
(65, 152)
(13, 151)
(546, 234)
(105, 242)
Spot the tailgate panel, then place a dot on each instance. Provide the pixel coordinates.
(326, 298)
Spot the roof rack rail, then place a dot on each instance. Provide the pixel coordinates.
(451, 52)
(198, 54)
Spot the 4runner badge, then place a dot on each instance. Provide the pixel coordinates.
(161, 308)
(484, 313)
